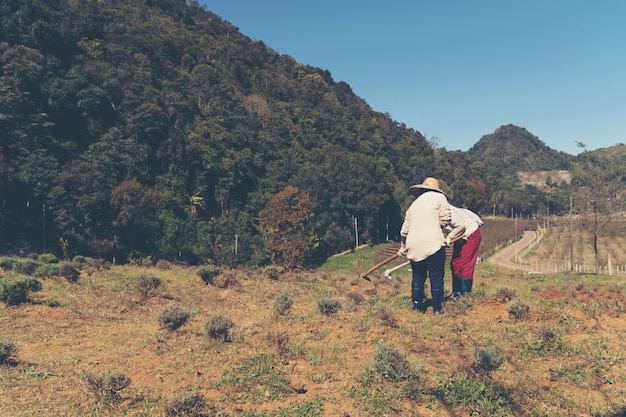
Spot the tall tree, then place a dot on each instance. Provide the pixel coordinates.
(285, 224)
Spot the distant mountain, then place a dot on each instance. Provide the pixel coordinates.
(511, 149)
(618, 151)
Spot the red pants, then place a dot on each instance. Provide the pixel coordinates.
(464, 255)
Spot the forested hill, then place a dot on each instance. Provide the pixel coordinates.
(136, 128)
(156, 128)
(511, 148)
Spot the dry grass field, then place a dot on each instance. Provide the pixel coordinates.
(313, 343)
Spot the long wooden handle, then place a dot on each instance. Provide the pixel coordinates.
(391, 258)
(456, 238)
(378, 265)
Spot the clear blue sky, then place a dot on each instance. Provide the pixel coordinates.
(459, 69)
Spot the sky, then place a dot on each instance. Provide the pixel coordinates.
(456, 70)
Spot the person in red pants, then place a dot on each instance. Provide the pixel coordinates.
(465, 224)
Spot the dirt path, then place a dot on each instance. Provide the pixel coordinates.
(506, 256)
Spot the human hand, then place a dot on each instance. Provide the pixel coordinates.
(448, 240)
(403, 250)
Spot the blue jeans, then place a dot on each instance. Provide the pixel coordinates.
(434, 268)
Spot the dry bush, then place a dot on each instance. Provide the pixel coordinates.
(518, 309)
(105, 385)
(163, 265)
(173, 316)
(147, 286)
(505, 294)
(207, 273)
(69, 272)
(457, 306)
(487, 360)
(226, 280)
(392, 364)
(273, 272)
(328, 306)
(356, 297)
(218, 326)
(282, 304)
(7, 351)
(190, 405)
(283, 346)
(387, 316)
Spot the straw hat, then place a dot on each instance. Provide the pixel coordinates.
(429, 184)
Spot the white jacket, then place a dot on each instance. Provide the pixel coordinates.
(423, 225)
(463, 223)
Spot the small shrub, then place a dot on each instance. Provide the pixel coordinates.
(328, 306)
(518, 309)
(7, 263)
(47, 271)
(190, 405)
(147, 286)
(78, 261)
(47, 258)
(273, 271)
(105, 385)
(387, 316)
(391, 363)
(217, 327)
(208, 273)
(25, 266)
(7, 350)
(67, 271)
(172, 316)
(226, 280)
(15, 291)
(163, 265)
(101, 264)
(504, 294)
(550, 335)
(487, 360)
(283, 348)
(282, 304)
(457, 306)
(356, 297)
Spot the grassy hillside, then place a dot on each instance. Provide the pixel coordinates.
(318, 343)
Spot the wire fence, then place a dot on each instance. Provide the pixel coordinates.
(539, 266)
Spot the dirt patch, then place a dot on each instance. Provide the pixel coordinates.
(585, 294)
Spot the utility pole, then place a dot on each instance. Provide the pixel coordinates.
(44, 227)
(356, 232)
(571, 242)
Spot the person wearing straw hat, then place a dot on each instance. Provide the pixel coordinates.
(423, 241)
(465, 225)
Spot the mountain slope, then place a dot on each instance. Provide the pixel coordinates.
(510, 149)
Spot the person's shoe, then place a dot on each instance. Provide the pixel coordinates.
(438, 312)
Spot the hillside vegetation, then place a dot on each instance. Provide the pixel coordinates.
(154, 130)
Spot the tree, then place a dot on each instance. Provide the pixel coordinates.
(599, 196)
(285, 223)
(135, 207)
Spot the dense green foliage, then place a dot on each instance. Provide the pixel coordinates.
(153, 128)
